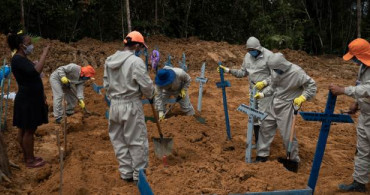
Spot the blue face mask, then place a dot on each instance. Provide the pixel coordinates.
(85, 78)
(254, 53)
(278, 71)
(357, 61)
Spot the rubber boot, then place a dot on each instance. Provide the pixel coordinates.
(256, 130)
(261, 159)
(353, 187)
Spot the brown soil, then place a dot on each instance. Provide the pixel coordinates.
(203, 161)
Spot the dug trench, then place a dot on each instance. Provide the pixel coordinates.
(203, 160)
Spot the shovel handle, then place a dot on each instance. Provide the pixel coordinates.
(157, 121)
(292, 131)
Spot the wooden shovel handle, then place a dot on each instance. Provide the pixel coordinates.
(157, 121)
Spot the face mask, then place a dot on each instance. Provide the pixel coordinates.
(357, 61)
(278, 71)
(85, 78)
(28, 50)
(138, 53)
(254, 53)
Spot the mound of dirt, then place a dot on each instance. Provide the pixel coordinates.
(203, 161)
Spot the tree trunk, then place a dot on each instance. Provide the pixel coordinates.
(359, 18)
(123, 29)
(22, 16)
(156, 13)
(128, 15)
(4, 161)
(187, 19)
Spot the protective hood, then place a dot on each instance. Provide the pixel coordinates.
(115, 61)
(254, 43)
(277, 61)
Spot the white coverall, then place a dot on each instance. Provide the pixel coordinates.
(126, 80)
(256, 69)
(284, 89)
(72, 72)
(361, 93)
(182, 81)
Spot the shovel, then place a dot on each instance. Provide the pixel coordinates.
(196, 116)
(85, 109)
(288, 163)
(162, 146)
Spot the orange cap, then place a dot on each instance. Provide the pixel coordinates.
(135, 37)
(359, 48)
(87, 71)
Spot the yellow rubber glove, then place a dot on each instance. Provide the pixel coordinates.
(226, 70)
(161, 116)
(299, 100)
(261, 84)
(64, 80)
(82, 103)
(259, 95)
(182, 93)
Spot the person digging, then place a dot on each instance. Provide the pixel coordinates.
(172, 82)
(359, 52)
(255, 67)
(290, 87)
(69, 80)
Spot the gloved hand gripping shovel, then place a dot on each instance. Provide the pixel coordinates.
(85, 109)
(162, 146)
(169, 109)
(288, 163)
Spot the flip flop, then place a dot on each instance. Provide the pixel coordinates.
(38, 158)
(35, 164)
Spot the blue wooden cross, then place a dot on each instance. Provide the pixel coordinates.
(326, 118)
(146, 58)
(202, 80)
(183, 63)
(252, 113)
(143, 184)
(223, 84)
(97, 88)
(168, 62)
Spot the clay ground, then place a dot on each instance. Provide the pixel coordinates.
(203, 161)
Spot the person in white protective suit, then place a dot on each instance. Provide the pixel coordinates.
(255, 67)
(290, 86)
(126, 80)
(172, 82)
(359, 52)
(69, 80)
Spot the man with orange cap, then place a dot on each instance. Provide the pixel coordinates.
(66, 80)
(126, 80)
(359, 52)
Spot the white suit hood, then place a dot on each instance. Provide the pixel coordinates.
(254, 43)
(116, 60)
(277, 61)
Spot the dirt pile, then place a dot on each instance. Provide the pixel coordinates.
(203, 160)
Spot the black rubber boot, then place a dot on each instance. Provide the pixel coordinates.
(261, 159)
(353, 187)
(290, 165)
(256, 130)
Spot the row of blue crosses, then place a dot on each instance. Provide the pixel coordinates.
(326, 118)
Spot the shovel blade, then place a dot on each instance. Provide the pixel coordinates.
(162, 146)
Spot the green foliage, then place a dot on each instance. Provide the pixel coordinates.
(315, 26)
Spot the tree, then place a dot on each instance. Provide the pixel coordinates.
(22, 16)
(128, 15)
(358, 18)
